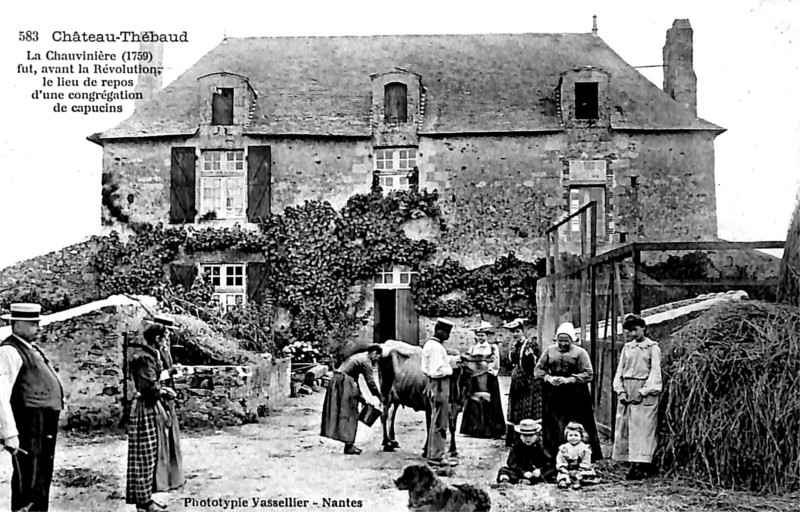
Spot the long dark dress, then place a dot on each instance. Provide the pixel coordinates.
(481, 419)
(525, 395)
(484, 420)
(340, 409)
(142, 428)
(169, 463)
(566, 402)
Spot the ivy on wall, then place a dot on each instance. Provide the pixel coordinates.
(317, 260)
(506, 289)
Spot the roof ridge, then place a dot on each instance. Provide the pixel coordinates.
(372, 36)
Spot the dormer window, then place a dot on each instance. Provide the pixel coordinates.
(586, 104)
(222, 107)
(395, 103)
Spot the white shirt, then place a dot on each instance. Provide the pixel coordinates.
(491, 351)
(435, 361)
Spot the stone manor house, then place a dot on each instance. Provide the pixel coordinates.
(513, 130)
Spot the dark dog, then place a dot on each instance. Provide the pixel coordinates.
(426, 493)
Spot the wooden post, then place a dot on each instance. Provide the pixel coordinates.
(548, 262)
(613, 279)
(125, 404)
(594, 230)
(637, 291)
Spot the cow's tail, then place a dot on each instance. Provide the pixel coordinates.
(386, 375)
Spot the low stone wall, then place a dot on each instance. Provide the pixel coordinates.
(85, 346)
(218, 396)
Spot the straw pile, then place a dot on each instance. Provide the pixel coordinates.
(731, 417)
(789, 281)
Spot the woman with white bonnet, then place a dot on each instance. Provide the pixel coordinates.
(566, 370)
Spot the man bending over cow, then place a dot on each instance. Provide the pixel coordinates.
(436, 366)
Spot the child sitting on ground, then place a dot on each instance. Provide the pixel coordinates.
(526, 459)
(574, 459)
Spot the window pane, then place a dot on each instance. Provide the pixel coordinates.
(404, 278)
(211, 197)
(378, 278)
(388, 278)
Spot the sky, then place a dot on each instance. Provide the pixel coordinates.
(746, 57)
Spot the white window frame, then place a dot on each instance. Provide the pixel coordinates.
(394, 277)
(230, 168)
(394, 166)
(574, 205)
(228, 295)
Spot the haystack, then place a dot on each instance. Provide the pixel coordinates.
(731, 416)
(789, 281)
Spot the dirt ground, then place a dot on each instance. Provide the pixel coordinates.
(284, 457)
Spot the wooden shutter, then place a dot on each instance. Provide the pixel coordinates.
(407, 323)
(222, 107)
(183, 275)
(395, 103)
(256, 281)
(259, 182)
(182, 186)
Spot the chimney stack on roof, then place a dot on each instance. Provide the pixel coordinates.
(594, 25)
(148, 83)
(680, 81)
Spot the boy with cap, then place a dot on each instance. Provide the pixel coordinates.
(31, 400)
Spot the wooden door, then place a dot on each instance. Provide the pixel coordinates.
(406, 317)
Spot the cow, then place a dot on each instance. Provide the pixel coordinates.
(403, 383)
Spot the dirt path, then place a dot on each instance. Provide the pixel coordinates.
(284, 457)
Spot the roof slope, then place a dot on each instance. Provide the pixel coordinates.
(473, 83)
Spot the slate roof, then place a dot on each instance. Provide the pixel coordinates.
(473, 83)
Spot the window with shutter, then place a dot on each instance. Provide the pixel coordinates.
(182, 186)
(222, 107)
(395, 103)
(259, 182)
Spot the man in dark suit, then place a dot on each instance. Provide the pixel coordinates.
(31, 399)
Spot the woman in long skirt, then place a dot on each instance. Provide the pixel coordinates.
(483, 414)
(169, 463)
(148, 412)
(340, 409)
(566, 370)
(638, 387)
(525, 395)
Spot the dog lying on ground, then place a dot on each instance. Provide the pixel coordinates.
(426, 493)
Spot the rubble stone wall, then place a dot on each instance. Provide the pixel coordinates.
(218, 396)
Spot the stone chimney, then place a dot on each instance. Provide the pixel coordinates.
(148, 83)
(680, 82)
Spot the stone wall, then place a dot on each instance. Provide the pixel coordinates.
(498, 193)
(87, 353)
(58, 280)
(218, 396)
(86, 345)
(302, 169)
